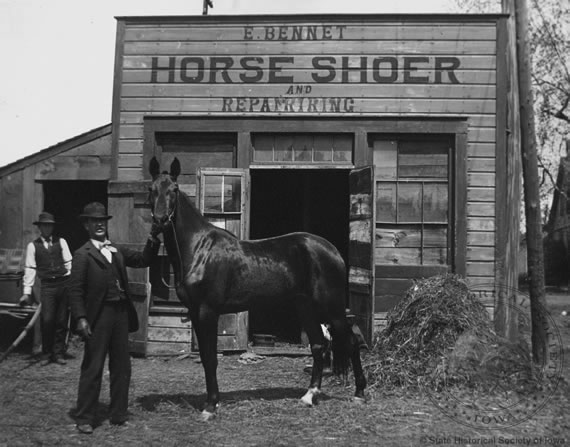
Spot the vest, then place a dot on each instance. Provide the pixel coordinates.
(49, 262)
(115, 287)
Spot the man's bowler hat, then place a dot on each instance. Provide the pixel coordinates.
(45, 218)
(94, 210)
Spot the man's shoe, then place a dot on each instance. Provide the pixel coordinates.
(45, 359)
(120, 423)
(58, 359)
(84, 428)
(68, 356)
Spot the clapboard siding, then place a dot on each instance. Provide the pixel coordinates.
(351, 40)
(303, 76)
(221, 32)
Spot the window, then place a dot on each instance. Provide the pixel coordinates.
(412, 200)
(302, 148)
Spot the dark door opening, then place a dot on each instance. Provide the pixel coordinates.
(65, 199)
(288, 200)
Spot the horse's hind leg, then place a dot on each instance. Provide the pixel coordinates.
(356, 341)
(312, 327)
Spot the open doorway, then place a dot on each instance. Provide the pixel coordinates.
(288, 200)
(65, 199)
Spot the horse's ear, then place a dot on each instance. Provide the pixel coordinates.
(154, 168)
(175, 169)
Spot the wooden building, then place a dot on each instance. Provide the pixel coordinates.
(393, 136)
(60, 179)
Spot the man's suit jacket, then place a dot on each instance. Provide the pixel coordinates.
(88, 282)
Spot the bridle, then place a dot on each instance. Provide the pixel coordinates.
(170, 220)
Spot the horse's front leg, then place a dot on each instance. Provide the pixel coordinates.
(207, 333)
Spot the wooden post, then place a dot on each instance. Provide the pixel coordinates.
(540, 326)
(509, 152)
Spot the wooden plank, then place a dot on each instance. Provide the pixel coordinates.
(477, 238)
(480, 254)
(177, 321)
(169, 334)
(481, 165)
(100, 147)
(406, 236)
(479, 209)
(481, 179)
(340, 103)
(478, 149)
(266, 90)
(481, 194)
(303, 75)
(481, 224)
(389, 47)
(167, 348)
(305, 30)
(79, 167)
(480, 269)
(410, 256)
(11, 205)
(116, 107)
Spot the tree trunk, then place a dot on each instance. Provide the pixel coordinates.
(540, 329)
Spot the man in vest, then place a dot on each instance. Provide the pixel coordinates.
(49, 259)
(101, 304)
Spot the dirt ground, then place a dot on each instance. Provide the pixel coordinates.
(260, 407)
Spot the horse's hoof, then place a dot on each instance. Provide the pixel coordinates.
(359, 400)
(307, 401)
(207, 416)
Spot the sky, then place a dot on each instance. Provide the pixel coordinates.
(57, 57)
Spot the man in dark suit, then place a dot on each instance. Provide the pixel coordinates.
(101, 304)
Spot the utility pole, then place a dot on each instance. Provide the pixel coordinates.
(535, 250)
(207, 4)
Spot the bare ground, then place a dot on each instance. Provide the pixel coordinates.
(260, 407)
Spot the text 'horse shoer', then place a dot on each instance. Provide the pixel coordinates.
(215, 273)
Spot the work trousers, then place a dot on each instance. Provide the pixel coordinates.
(54, 316)
(110, 334)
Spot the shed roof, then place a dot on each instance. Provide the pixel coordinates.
(56, 149)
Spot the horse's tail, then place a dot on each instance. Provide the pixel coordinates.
(341, 345)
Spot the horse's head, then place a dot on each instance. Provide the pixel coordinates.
(163, 192)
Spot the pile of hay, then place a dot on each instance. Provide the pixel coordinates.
(440, 332)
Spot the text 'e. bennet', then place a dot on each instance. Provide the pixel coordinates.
(323, 70)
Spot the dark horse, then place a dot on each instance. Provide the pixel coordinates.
(215, 273)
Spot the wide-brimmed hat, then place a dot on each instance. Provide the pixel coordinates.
(94, 210)
(45, 218)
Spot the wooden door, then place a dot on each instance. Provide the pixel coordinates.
(361, 249)
(223, 199)
(413, 214)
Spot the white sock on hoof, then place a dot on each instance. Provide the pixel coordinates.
(207, 416)
(307, 399)
(359, 400)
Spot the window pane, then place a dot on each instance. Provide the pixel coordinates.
(409, 202)
(385, 202)
(263, 147)
(232, 194)
(422, 159)
(283, 148)
(385, 159)
(323, 147)
(342, 148)
(213, 193)
(303, 145)
(436, 202)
